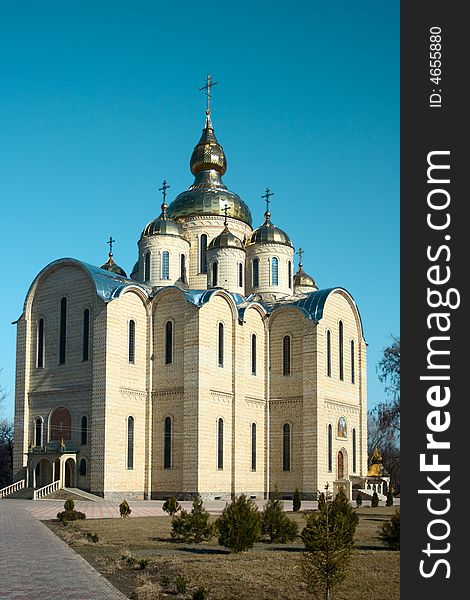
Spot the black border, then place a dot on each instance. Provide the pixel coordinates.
(425, 129)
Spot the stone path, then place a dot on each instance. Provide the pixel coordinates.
(36, 565)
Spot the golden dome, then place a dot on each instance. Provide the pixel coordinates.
(162, 226)
(226, 239)
(301, 278)
(268, 234)
(208, 195)
(112, 267)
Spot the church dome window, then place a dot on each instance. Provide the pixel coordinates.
(286, 355)
(40, 345)
(147, 266)
(168, 342)
(165, 274)
(215, 268)
(255, 272)
(131, 342)
(274, 271)
(203, 253)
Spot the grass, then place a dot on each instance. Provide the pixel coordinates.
(269, 571)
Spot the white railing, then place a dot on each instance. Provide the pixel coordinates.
(371, 493)
(14, 487)
(46, 490)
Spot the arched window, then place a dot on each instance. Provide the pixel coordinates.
(240, 275)
(132, 341)
(353, 375)
(286, 360)
(253, 354)
(86, 334)
(61, 424)
(62, 330)
(286, 447)
(253, 446)
(203, 253)
(354, 450)
(220, 344)
(215, 269)
(40, 355)
(274, 271)
(147, 267)
(38, 433)
(167, 443)
(220, 444)
(165, 264)
(183, 268)
(255, 277)
(82, 468)
(328, 353)
(330, 448)
(289, 273)
(168, 342)
(84, 431)
(340, 465)
(341, 358)
(130, 442)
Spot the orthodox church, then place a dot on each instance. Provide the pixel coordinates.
(214, 368)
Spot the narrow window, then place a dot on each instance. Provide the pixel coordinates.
(220, 444)
(147, 267)
(328, 353)
(330, 448)
(168, 342)
(38, 433)
(253, 354)
(289, 273)
(352, 362)
(221, 345)
(286, 355)
(130, 442)
(253, 446)
(256, 272)
(215, 268)
(40, 361)
(86, 334)
(183, 268)
(203, 253)
(354, 450)
(84, 431)
(165, 264)
(240, 275)
(274, 271)
(286, 446)
(82, 469)
(340, 341)
(132, 341)
(167, 443)
(62, 330)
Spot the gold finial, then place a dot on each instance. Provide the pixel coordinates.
(207, 87)
(163, 190)
(300, 252)
(110, 242)
(266, 195)
(225, 213)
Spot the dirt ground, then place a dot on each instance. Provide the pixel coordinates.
(269, 571)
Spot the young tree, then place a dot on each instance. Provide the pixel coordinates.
(192, 527)
(171, 506)
(6, 446)
(329, 540)
(390, 531)
(375, 500)
(358, 499)
(296, 501)
(239, 525)
(276, 524)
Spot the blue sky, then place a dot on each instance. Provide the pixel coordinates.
(99, 103)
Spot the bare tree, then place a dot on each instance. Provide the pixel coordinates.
(6, 446)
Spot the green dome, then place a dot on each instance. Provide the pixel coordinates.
(208, 195)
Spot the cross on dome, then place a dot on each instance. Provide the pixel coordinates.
(209, 83)
(110, 242)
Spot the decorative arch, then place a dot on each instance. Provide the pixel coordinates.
(60, 424)
(39, 432)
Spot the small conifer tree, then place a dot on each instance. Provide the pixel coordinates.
(69, 504)
(358, 499)
(389, 501)
(171, 506)
(192, 527)
(239, 525)
(390, 531)
(124, 509)
(276, 524)
(296, 501)
(375, 500)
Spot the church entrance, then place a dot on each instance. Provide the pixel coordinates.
(70, 473)
(340, 465)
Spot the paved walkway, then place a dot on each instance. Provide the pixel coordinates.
(36, 565)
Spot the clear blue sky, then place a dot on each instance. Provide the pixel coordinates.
(99, 103)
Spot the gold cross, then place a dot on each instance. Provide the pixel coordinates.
(163, 190)
(207, 87)
(300, 252)
(111, 242)
(267, 195)
(225, 213)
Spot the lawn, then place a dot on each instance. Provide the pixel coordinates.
(269, 571)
